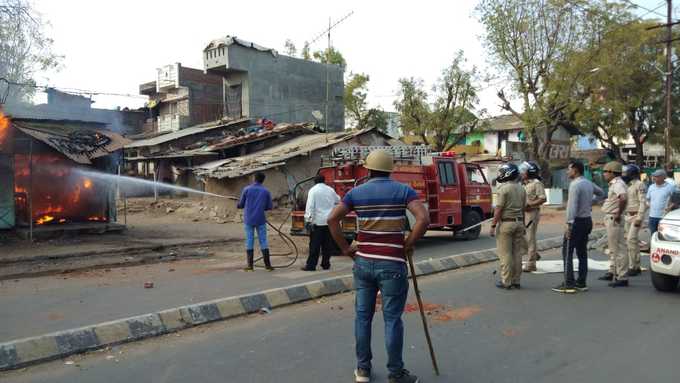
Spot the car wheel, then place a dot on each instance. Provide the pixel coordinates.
(470, 218)
(663, 282)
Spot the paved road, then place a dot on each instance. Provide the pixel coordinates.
(486, 335)
(61, 302)
(66, 301)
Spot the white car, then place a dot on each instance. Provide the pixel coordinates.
(664, 255)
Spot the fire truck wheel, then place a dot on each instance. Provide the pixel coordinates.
(470, 218)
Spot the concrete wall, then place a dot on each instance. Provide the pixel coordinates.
(282, 88)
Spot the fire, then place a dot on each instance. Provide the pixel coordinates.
(96, 219)
(44, 219)
(87, 183)
(4, 127)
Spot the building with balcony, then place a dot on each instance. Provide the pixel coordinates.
(181, 97)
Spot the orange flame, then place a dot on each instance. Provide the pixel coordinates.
(44, 219)
(87, 183)
(4, 127)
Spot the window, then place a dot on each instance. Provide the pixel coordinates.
(475, 175)
(447, 176)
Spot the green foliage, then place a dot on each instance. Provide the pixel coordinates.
(356, 108)
(25, 49)
(623, 93)
(330, 56)
(289, 48)
(306, 52)
(528, 40)
(450, 116)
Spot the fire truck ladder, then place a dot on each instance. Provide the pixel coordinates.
(398, 152)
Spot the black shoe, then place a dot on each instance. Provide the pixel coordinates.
(500, 285)
(326, 267)
(633, 272)
(305, 268)
(267, 261)
(538, 257)
(250, 254)
(580, 286)
(362, 376)
(619, 283)
(564, 289)
(606, 277)
(516, 286)
(403, 377)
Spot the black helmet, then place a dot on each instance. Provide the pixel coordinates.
(507, 172)
(630, 172)
(531, 169)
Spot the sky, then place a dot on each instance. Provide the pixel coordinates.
(113, 46)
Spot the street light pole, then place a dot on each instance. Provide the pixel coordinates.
(669, 82)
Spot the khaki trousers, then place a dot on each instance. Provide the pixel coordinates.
(509, 244)
(532, 251)
(633, 242)
(618, 258)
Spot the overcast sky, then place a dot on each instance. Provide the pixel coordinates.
(114, 46)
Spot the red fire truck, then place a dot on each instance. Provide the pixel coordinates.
(455, 192)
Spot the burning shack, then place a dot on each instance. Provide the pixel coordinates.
(46, 173)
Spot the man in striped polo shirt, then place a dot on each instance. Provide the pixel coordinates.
(380, 259)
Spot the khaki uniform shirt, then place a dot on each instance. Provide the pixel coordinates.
(535, 191)
(616, 188)
(511, 199)
(636, 200)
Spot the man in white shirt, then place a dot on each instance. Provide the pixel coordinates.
(321, 199)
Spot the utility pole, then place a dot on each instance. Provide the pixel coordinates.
(669, 77)
(669, 82)
(328, 82)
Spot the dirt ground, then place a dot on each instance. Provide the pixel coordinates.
(165, 222)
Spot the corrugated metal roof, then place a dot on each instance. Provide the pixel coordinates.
(274, 156)
(183, 133)
(502, 123)
(80, 142)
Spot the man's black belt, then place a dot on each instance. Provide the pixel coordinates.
(521, 219)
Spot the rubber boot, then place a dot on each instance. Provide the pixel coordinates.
(267, 261)
(250, 255)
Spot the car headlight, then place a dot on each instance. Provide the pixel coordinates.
(669, 232)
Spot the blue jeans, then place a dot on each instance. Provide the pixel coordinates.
(261, 236)
(391, 279)
(654, 224)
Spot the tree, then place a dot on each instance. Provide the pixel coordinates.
(25, 48)
(624, 92)
(290, 49)
(451, 116)
(526, 40)
(356, 107)
(330, 56)
(306, 52)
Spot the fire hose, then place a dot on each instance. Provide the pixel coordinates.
(292, 247)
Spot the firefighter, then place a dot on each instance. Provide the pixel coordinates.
(508, 225)
(531, 178)
(635, 212)
(613, 208)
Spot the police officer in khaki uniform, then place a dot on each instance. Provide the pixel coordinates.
(635, 211)
(508, 225)
(613, 208)
(531, 178)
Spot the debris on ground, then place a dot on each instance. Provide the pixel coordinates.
(148, 285)
(265, 310)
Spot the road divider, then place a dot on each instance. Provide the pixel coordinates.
(24, 352)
